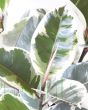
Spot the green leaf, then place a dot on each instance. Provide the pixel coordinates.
(8, 102)
(3, 4)
(75, 1)
(55, 33)
(15, 67)
(67, 90)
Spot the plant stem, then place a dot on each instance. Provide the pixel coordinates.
(54, 97)
(85, 50)
(41, 101)
(1, 22)
(48, 70)
(46, 77)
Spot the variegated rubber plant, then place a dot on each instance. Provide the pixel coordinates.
(40, 48)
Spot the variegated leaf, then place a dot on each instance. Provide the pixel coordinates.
(9, 102)
(67, 90)
(54, 38)
(16, 69)
(18, 32)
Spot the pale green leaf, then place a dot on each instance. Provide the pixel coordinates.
(18, 32)
(32, 102)
(15, 67)
(10, 35)
(26, 35)
(67, 90)
(82, 5)
(84, 104)
(60, 106)
(78, 72)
